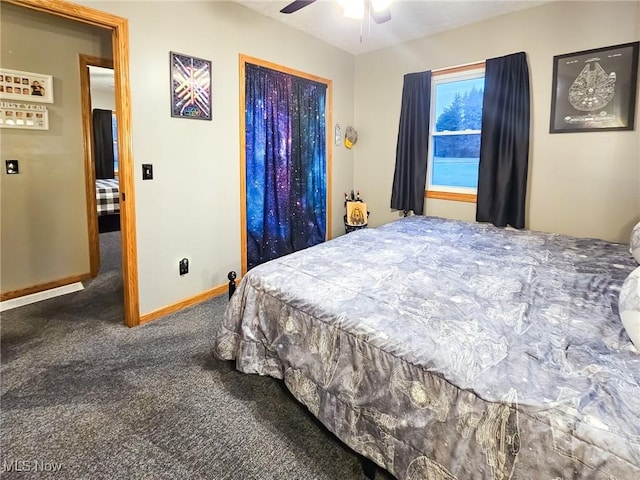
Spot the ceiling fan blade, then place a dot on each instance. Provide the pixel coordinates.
(295, 6)
(382, 16)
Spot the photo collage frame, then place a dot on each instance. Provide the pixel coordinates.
(18, 87)
(22, 115)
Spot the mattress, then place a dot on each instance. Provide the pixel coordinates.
(442, 349)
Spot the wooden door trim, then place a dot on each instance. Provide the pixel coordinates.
(119, 27)
(89, 163)
(243, 60)
(10, 295)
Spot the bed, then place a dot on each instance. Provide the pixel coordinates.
(107, 196)
(442, 349)
(108, 204)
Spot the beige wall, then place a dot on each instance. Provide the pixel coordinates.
(43, 227)
(583, 184)
(103, 100)
(192, 207)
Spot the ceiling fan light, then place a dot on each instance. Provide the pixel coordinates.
(380, 5)
(353, 8)
(349, 3)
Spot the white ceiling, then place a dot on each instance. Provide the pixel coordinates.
(409, 19)
(101, 79)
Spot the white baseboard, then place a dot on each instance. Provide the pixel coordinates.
(39, 296)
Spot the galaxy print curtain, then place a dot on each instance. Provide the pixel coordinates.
(286, 163)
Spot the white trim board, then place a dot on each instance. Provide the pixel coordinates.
(39, 296)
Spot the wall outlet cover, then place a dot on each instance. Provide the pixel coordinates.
(183, 266)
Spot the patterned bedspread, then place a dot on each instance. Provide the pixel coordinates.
(107, 196)
(450, 350)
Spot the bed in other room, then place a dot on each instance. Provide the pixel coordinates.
(108, 204)
(442, 349)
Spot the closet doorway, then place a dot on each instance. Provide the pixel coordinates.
(120, 42)
(285, 160)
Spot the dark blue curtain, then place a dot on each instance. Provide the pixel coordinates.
(410, 173)
(286, 163)
(103, 157)
(504, 142)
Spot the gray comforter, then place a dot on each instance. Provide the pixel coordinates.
(442, 349)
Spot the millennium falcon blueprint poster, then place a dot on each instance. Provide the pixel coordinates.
(595, 90)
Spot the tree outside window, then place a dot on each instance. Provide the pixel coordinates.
(456, 124)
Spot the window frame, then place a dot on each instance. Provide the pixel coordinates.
(447, 75)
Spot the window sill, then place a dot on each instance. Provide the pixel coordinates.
(455, 197)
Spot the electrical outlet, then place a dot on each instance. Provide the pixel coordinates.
(183, 266)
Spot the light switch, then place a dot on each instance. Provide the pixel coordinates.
(12, 167)
(147, 171)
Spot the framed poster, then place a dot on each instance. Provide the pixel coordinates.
(26, 86)
(356, 214)
(190, 87)
(595, 90)
(24, 116)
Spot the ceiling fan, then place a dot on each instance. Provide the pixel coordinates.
(378, 9)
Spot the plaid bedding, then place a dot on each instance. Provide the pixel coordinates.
(107, 196)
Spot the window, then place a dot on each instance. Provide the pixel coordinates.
(454, 139)
(114, 131)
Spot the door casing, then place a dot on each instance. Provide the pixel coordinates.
(89, 162)
(120, 43)
(243, 60)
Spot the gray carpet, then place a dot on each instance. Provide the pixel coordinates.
(107, 402)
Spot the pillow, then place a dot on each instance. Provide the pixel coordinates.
(629, 306)
(634, 244)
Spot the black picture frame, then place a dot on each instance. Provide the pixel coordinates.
(190, 79)
(595, 90)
